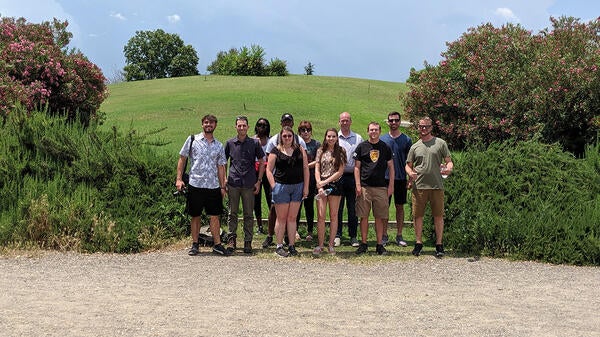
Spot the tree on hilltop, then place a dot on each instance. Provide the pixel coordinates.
(157, 54)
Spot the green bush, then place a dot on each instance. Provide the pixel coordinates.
(526, 200)
(64, 186)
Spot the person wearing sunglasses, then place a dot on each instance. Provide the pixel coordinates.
(305, 132)
(262, 131)
(400, 143)
(287, 172)
(423, 163)
(286, 120)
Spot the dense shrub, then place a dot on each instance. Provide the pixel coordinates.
(66, 187)
(526, 200)
(36, 70)
(246, 62)
(506, 83)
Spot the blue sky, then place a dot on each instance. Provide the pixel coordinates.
(373, 39)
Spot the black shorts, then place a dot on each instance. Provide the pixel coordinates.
(399, 192)
(336, 187)
(200, 199)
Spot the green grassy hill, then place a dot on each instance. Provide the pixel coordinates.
(178, 104)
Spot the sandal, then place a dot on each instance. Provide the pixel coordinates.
(317, 250)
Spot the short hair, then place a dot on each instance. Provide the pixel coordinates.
(241, 118)
(210, 118)
(373, 123)
(394, 113)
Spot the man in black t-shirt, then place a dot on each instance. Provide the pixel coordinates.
(372, 158)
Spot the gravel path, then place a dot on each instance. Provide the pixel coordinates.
(168, 293)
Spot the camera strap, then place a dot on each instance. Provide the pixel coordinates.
(189, 153)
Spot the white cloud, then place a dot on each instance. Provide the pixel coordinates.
(173, 18)
(506, 13)
(118, 16)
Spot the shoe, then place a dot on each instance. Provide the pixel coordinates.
(248, 247)
(337, 242)
(281, 252)
(292, 251)
(331, 250)
(417, 250)
(439, 251)
(268, 241)
(231, 241)
(354, 242)
(400, 241)
(260, 230)
(194, 250)
(318, 250)
(380, 249)
(384, 239)
(220, 250)
(309, 238)
(362, 248)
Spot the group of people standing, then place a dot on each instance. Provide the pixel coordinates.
(341, 172)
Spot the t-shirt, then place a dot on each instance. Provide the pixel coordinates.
(373, 162)
(400, 147)
(288, 169)
(426, 158)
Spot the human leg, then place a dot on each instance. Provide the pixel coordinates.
(334, 203)
(234, 194)
(321, 213)
(247, 207)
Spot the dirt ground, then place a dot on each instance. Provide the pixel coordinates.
(168, 293)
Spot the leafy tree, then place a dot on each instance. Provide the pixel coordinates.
(501, 83)
(309, 69)
(37, 70)
(277, 67)
(157, 54)
(246, 62)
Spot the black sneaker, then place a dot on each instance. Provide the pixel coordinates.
(380, 249)
(362, 248)
(231, 241)
(219, 249)
(292, 251)
(260, 230)
(439, 251)
(248, 247)
(194, 250)
(384, 239)
(268, 241)
(417, 250)
(281, 252)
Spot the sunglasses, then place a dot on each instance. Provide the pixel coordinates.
(393, 120)
(305, 130)
(263, 125)
(286, 136)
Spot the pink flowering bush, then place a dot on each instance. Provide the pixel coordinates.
(37, 71)
(505, 83)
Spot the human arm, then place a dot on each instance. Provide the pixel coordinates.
(261, 174)
(306, 173)
(180, 167)
(269, 169)
(357, 177)
(390, 165)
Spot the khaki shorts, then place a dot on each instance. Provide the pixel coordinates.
(373, 197)
(420, 199)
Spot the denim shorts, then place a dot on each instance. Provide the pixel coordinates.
(286, 193)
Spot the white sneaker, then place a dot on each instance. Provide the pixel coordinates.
(337, 242)
(354, 242)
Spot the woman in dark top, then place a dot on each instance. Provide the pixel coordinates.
(305, 131)
(287, 172)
